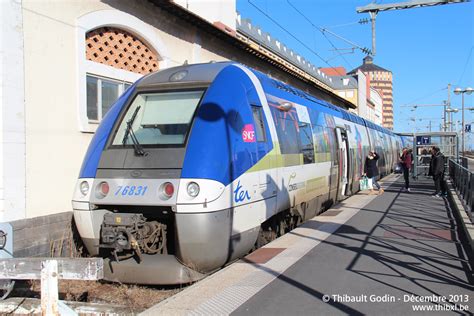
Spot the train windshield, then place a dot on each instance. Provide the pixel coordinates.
(160, 119)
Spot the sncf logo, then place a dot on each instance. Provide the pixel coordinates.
(248, 133)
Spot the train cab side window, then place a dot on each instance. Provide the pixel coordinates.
(306, 140)
(259, 124)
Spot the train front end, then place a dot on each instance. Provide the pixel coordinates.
(151, 198)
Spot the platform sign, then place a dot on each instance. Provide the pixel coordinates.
(423, 140)
(467, 128)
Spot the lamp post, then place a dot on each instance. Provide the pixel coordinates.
(450, 112)
(458, 91)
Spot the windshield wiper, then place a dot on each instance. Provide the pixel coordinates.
(129, 131)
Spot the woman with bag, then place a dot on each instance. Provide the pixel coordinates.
(372, 171)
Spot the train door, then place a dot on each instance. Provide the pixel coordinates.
(388, 150)
(334, 173)
(343, 144)
(267, 186)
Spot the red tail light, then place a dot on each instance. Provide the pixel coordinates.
(168, 189)
(104, 188)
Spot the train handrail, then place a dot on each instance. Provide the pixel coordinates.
(463, 181)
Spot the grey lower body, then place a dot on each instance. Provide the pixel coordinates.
(204, 242)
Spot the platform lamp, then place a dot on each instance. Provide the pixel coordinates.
(450, 118)
(458, 91)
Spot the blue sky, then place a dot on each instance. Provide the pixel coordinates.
(425, 48)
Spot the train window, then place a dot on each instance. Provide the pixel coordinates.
(160, 119)
(306, 139)
(322, 146)
(259, 124)
(332, 143)
(286, 126)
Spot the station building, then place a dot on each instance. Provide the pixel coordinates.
(63, 63)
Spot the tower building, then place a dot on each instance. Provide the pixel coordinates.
(379, 79)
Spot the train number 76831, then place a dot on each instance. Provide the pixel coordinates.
(131, 190)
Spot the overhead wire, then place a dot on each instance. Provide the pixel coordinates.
(296, 38)
(314, 26)
(425, 96)
(323, 31)
(327, 38)
(411, 103)
(342, 25)
(286, 31)
(465, 66)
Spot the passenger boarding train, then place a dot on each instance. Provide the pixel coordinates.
(195, 166)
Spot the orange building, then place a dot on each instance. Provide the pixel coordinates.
(379, 79)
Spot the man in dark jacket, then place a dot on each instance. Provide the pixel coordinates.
(372, 171)
(437, 171)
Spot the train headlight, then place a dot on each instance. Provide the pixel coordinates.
(167, 190)
(193, 189)
(84, 188)
(178, 76)
(102, 189)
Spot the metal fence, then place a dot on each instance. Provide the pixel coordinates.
(463, 181)
(422, 143)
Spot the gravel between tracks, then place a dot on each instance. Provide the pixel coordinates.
(135, 297)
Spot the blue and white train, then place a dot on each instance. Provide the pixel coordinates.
(195, 166)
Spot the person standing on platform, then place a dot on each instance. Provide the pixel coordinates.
(437, 171)
(406, 161)
(425, 160)
(372, 171)
(412, 166)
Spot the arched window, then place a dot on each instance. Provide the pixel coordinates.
(115, 50)
(120, 49)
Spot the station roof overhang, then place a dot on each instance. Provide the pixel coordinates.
(244, 43)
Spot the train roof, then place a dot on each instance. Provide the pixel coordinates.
(195, 73)
(335, 110)
(202, 74)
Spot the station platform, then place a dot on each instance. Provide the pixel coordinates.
(396, 253)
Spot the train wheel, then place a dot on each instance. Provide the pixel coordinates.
(284, 224)
(261, 240)
(266, 235)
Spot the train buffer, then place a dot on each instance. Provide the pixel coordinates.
(396, 253)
